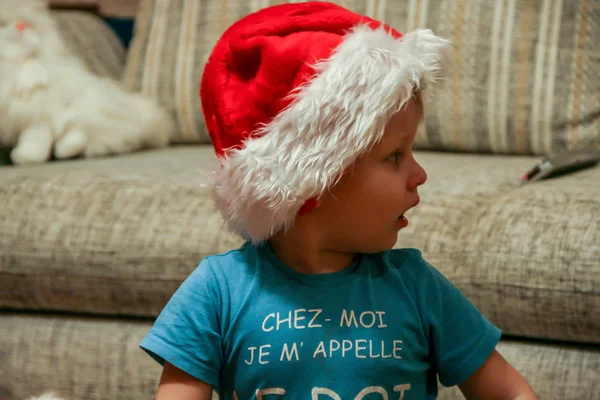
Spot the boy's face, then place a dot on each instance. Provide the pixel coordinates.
(363, 211)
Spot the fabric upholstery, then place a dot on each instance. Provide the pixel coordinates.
(106, 8)
(554, 371)
(78, 358)
(93, 41)
(99, 359)
(524, 74)
(118, 235)
(113, 235)
(118, 8)
(528, 256)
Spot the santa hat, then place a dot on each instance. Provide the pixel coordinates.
(292, 95)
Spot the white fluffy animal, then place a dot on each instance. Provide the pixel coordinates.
(50, 104)
(46, 396)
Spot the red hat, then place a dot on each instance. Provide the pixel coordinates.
(293, 94)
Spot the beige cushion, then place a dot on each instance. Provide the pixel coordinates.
(94, 358)
(523, 77)
(118, 235)
(114, 235)
(554, 371)
(93, 41)
(77, 358)
(528, 256)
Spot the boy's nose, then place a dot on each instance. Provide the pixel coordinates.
(418, 178)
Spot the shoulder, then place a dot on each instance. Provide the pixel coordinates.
(410, 264)
(210, 283)
(233, 262)
(402, 258)
(229, 270)
(407, 261)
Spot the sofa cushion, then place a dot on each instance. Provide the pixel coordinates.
(108, 236)
(61, 353)
(76, 357)
(118, 235)
(527, 256)
(554, 371)
(93, 41)
(523, 76)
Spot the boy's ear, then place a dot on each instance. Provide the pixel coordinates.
(418, 96)
(308, 206)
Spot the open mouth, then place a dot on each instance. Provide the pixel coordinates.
(402, 217)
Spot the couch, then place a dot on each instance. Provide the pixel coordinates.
(92, 249)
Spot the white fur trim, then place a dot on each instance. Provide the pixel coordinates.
(334, 118)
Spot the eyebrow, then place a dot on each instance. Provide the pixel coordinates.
(394, 144)
(406, 142)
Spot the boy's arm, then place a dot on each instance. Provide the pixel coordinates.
(177, 385)
(496, 379)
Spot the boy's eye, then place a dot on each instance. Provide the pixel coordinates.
(394, 156)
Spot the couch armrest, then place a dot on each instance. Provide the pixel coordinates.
(118, 8)
(105, 8)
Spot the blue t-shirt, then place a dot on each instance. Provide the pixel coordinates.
(384, 328)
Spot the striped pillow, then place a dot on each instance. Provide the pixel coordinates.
(93, 40)
(525, 76)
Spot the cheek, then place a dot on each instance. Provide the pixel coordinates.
(372, 199)
(386, 187)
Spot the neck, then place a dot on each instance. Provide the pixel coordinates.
(305, 253)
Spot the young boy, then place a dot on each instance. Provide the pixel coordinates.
(313, 112)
